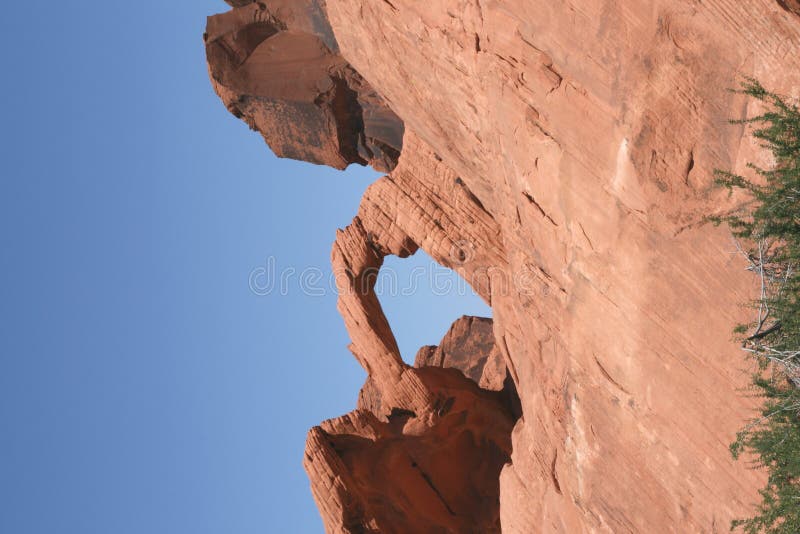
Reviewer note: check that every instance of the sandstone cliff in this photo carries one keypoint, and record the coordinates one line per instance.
(559, 156)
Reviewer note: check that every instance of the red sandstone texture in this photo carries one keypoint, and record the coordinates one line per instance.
(280, 69)
(558, 156)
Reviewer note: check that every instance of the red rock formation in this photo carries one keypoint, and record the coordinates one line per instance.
(559, 156)
(469, 346)
(280, 70)
(432, 470)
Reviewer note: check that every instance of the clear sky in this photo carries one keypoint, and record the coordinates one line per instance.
(144, 387)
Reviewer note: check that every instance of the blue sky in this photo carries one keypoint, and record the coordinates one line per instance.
(143, 386)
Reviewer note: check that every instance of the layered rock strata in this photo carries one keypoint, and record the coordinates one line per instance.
(558, 156)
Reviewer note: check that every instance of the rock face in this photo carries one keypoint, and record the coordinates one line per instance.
(469, 347)
(280, 70)
(431, 462)
(559, 157)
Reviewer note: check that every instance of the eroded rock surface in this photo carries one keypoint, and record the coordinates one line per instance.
(278, 67)
(559, 157)
(469, 346)
(436, 469)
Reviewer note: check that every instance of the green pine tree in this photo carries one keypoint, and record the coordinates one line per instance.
(770, 225)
